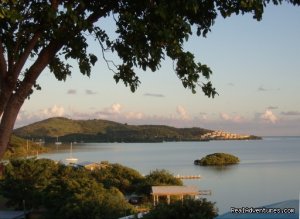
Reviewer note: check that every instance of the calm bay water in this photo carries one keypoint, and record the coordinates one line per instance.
(268, 172)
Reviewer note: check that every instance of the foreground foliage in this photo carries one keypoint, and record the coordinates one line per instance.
(188, 209)
(125, 179)
(75, 192)
(25, 181)
(64, 191)
(217, 159)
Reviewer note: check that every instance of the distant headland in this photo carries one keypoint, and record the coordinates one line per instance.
(60, 129)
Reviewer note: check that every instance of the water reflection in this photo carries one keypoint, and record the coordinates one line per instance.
(220, 169)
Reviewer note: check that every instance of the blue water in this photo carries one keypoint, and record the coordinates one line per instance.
(268, 172)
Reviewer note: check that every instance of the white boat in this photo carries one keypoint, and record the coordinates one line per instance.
(57, 142)
(71, 159)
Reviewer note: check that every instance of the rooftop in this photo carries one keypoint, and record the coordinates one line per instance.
(174, 190)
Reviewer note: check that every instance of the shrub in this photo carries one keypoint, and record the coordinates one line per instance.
(118, 176)
(158, 178)
(188, 209)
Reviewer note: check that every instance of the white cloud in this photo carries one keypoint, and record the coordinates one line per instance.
(116, 108)
(25, 117)
(232, 118)
(117, 113)
(225, 116)
(203, 116)
(53, 111)
(269, 116)
(134, 115)
(182, 112)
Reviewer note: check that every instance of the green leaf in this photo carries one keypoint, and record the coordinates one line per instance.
(93, 59)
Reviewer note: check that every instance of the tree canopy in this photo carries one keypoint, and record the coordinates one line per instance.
(188, 208)
(123, 178)
(25, 181)
(35, 34)
(62, 191)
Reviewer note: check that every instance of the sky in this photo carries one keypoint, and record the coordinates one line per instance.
(255, 71)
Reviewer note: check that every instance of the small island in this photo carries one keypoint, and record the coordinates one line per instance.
(217, 159)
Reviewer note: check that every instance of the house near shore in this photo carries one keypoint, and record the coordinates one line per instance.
(222, 135)
(177, 191)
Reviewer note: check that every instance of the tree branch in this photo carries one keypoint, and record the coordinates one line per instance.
(55, 3)
(44, 58)
(101, 12)
(24, 56)
(10, 55)
(31, 44)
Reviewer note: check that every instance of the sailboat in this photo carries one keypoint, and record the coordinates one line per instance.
(71, 159)
(57, 142)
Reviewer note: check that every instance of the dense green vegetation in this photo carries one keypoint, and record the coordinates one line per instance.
(162, 177)
(188, 209)
(125, 179)
(68, 130)
(19, 147)
(63, 191)
(75, 192)
(217, 159)
(158, 178)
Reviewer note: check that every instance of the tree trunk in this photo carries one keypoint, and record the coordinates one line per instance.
(17, 99)
(4, 97)
(5, 94)
(8, 120)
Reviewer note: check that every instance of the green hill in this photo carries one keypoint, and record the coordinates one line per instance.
(66, 130)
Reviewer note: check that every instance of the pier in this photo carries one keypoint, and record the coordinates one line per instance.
(187, 176)
(205, 192)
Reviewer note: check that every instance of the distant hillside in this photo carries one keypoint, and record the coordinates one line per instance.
(66, 130)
